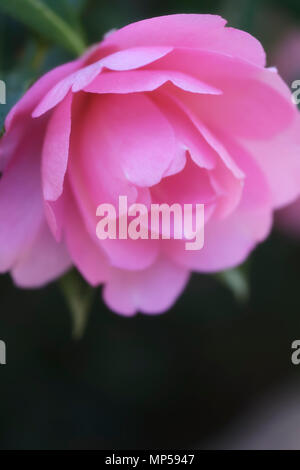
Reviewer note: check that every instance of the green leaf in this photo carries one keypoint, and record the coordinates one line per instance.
(237, 281)
(69, 10)
(79, 297)
(41, 18)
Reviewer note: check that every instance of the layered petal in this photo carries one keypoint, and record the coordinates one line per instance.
(122, 60)
(206, 32)
(191, 186)
(172, 110)
(151, 291)
(186, 132)
(86, 254)
(126, 137)
(42, 262)
(21, 205)
(147, 80)
(228, 241)
(279, 159)
(56, 150)
(112, 146)
(18, 119)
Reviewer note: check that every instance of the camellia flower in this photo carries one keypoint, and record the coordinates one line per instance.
(175, 109)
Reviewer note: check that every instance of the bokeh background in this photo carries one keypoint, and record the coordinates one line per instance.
(214, 372)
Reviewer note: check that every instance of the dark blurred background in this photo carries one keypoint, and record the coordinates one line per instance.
(184, 379)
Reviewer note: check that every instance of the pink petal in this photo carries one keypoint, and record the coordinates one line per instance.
(132, 255)
(256, 191)
(172, 30)
(186, 132)
(211, 67)
(228, 189)
(124, 254)
(190, 186)
(56, 150)
(96, 176)
(189, 30)
(151, 291)
(44, 261)
(279, 160)
(147, 80)
(255, 102)
(21, 206)
(18, 120)
(31, 98)
(251, 109)
(85, 253)
(228, 241)
(216, 146)
(121, 60)
(54, 213)
(128, 136)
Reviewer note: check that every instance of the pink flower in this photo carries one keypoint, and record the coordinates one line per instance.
(171, 109)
